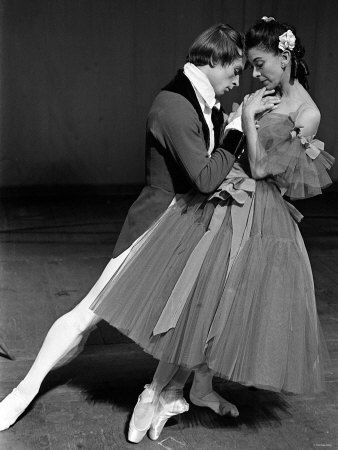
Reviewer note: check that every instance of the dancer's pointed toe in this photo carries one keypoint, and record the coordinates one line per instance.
(167, 407)
(11, 408)
(215, 402)
(142, 416)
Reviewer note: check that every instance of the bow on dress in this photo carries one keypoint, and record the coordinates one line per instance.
(241, 189)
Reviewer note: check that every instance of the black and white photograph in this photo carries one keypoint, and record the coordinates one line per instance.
(168, 224)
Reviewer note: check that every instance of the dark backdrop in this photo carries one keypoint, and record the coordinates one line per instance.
(78, 77)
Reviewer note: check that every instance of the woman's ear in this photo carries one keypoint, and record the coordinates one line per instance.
(285, 58)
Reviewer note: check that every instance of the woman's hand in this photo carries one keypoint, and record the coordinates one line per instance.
(258, 103)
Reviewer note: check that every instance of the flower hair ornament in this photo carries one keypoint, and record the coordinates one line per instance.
(268, 19)
(287, 41)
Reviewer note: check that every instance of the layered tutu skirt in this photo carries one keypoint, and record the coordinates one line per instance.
(225, 280)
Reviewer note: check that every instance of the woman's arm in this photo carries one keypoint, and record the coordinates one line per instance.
(256, 103)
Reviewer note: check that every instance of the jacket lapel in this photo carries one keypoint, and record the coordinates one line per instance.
(181, 85)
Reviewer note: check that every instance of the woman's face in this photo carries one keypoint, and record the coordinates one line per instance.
(266, 67)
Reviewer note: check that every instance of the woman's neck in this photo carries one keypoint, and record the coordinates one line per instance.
(288, 89)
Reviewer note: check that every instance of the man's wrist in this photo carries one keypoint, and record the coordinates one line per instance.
(236, 124)
(233, 142)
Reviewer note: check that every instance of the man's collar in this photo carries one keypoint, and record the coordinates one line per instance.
(201, 84)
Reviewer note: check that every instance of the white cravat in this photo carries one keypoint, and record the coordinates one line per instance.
(205, 95)
(206, 98)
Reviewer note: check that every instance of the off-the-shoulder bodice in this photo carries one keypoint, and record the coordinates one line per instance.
(297, 163)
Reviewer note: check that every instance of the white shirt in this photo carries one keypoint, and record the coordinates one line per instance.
(206, 98)
(205, 95)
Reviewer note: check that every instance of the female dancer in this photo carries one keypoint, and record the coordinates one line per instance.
(223, 282)
(230, 287)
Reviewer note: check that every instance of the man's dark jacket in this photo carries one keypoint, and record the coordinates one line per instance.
(177, 160)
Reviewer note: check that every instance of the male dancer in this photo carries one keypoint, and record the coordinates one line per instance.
(183, 148)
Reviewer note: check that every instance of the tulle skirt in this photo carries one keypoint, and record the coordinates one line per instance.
(224, 283)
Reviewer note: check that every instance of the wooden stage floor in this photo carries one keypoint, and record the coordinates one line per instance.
(52, 251)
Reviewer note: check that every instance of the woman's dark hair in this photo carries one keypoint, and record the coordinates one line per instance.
(265, 34)
(218, 44)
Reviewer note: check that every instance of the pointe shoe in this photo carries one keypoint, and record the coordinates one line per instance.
(165, 409)
(144, 410)
(215, 402)
(11, 408)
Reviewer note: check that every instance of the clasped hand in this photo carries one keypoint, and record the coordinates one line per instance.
(255, 105)
(258, 103)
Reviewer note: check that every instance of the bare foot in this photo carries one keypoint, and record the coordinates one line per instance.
(215, 402)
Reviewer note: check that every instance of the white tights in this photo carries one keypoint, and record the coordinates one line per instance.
(64, 336)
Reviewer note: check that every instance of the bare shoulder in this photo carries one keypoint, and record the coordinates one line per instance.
(308, 118)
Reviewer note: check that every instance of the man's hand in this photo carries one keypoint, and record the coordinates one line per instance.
(236, 112)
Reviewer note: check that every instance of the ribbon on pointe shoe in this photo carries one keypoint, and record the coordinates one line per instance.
(165, 410)
(145, 411)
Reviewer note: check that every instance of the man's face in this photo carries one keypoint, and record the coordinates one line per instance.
(224, 78)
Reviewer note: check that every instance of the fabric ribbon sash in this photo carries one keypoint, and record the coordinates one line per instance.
(242, 191)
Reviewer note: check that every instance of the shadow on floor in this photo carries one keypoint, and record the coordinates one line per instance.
(119, 381)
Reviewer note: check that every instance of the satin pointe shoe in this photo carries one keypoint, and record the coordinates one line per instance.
(11, 408)
(168, 406)
(143, 415)
(215, 402)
